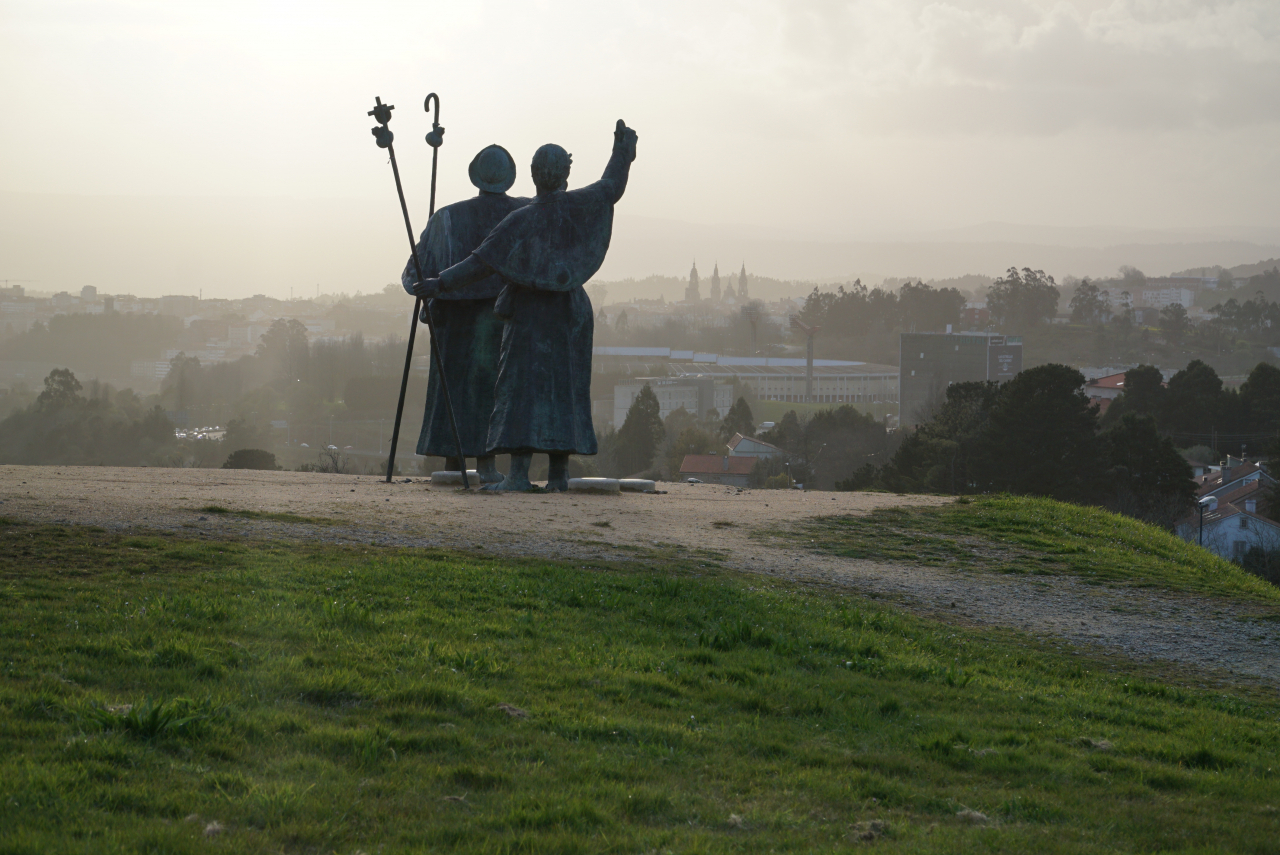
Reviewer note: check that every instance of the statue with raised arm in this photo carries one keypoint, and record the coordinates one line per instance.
(468, 331)
(545, 253)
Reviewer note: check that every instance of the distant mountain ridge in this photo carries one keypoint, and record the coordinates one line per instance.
(236, 247)
(1240, 271)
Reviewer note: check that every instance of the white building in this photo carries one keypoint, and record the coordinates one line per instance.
(1231, 525)
(746, 446)
(1158, 298)
(146, 369)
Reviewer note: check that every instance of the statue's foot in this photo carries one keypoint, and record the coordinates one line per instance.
(510, 485)
(557, 473)
(489, 473)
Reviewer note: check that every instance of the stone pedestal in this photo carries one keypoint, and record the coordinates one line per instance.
(594, 485)
(454, 478)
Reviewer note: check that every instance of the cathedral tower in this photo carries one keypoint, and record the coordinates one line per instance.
(691, 293)
(715, 282)
(742, 282)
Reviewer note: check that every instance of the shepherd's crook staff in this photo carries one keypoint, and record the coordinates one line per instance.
(382, 114)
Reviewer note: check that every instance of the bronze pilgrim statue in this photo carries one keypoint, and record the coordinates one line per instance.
(543, 253)
(467, 330)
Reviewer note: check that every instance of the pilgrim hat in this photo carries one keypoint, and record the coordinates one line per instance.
(493, 169)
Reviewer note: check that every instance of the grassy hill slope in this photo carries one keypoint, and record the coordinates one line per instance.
(162, 694)
(1020, 534)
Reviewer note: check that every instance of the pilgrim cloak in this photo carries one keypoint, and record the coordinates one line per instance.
(468, 332)
(546, 252)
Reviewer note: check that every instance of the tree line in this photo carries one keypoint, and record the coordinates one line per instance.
(1195, 409)
(1039, 435)
(819, 450)
(69, 425)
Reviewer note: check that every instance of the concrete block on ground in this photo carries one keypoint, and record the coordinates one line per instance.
(594, 485)
(637, 485)
(453, 478)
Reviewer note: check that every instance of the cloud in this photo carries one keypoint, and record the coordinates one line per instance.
(1038, 67)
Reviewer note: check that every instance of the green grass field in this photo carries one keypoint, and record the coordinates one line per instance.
(316, 699)
(1017, 534)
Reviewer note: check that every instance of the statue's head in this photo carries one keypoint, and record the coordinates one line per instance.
(550, 169)
(493, 170)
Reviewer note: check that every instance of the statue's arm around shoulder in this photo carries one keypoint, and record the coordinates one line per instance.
(432, 250)
(466, 272)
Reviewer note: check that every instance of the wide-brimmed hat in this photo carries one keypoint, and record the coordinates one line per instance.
(493, 169)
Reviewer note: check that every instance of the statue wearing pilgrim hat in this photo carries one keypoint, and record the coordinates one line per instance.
(467, 330)
(545, 252)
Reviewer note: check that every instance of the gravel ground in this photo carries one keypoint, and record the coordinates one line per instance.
(1220, 640)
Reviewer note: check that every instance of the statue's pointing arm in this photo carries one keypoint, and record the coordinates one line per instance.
(619, 166)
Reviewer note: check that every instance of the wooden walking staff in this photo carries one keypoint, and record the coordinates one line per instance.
(382, 114)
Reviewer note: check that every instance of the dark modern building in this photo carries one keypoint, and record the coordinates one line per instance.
(930, 362)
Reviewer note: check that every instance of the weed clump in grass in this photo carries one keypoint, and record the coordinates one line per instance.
(146, 720)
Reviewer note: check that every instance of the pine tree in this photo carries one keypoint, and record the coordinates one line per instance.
(738, 420)
(641, 433)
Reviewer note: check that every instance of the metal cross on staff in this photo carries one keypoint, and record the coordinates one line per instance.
(382, 114)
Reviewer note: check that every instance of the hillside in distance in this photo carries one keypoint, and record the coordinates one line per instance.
(237, 247)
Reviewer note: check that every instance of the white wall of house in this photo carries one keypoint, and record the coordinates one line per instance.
(748, 447)
(1232, 537)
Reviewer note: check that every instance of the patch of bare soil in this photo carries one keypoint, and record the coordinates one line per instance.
(1220, 639)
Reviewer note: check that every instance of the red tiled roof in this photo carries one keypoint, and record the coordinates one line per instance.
(1239, 494)
(714, 464)
(1230, 504)
(1111, 381)
(1211, 481)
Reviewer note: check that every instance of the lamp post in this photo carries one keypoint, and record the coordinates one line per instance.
(1203, 503)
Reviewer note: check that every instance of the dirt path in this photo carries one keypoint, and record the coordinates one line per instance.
(1220, 639)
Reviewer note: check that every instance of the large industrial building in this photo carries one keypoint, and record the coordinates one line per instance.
(697, 395)
(701, 381)
(930, 362)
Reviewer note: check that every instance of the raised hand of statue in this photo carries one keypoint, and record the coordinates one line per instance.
(427, 288)
(625, 138)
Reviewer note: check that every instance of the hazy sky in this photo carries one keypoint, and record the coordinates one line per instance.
(846, 120)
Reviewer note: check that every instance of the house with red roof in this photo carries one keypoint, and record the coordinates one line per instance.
(748, 446)
(1103, 390)
(718, 469)
(1109, 387)
(1230, 476)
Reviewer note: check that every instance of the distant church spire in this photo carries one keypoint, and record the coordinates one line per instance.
(715, 282)
(691, 293)
(742, 282)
